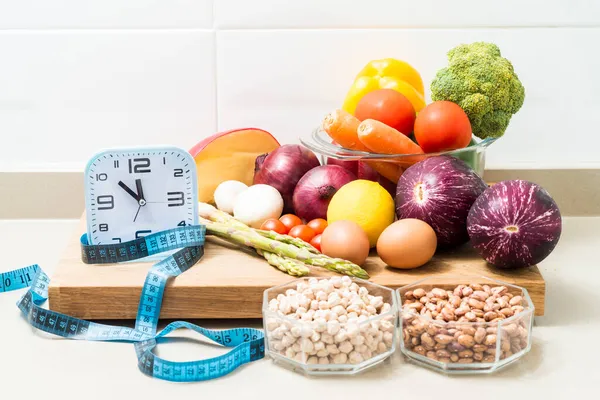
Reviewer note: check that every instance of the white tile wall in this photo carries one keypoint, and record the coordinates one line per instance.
(109, 14)
(404, 13)
(80, 75)
(66, 95)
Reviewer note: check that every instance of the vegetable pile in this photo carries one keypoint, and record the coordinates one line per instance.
(406, 208)
(476, 94)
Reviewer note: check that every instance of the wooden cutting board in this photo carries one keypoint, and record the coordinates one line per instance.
(229, 282)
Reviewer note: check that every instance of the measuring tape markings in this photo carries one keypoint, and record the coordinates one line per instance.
(247, 343)
(18, 279)
(150, 245)
(248, 346)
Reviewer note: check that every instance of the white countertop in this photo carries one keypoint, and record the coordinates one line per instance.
(561, 364)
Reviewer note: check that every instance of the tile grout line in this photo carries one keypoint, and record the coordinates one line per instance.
(292, 27)
(215, 65)
(25, 31)
(235, 28)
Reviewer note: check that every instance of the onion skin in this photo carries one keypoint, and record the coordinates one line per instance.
(259, 162)
(363, 171)
(350, 165)
(316, 188)
(440, 191)
(283, 168)
(514, 224)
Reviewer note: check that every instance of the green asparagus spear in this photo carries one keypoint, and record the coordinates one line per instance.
(287, 265)
(288, 239)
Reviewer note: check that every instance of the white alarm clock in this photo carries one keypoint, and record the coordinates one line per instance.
(130, 193)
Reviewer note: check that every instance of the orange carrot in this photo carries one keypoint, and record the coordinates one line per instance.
(383, 139)
(342, 127)
(388, 170)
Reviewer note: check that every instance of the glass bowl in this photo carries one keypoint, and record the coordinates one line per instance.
(458, 347)
(320, 143)
(324, 347)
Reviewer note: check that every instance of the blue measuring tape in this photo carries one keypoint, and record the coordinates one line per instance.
(247, 343)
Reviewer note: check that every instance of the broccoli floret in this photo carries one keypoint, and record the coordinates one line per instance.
(484, 84)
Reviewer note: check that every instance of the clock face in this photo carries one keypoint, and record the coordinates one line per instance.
(132, 193)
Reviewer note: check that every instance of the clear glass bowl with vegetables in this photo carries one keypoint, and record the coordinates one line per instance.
(336, 326)
(320, 143)
(479, 326)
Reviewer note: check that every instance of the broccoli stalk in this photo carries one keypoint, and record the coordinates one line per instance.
(484, 84)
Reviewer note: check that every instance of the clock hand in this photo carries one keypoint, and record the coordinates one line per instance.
(140, 196)
(129, 191)
(140, 192)
(138, 211)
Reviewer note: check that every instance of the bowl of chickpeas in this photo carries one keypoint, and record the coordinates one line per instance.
(337, 325)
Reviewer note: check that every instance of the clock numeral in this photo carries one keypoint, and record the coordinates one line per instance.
(108, 201)
(177, 199)
(142, 233)
(182, 223)
(139, 165)
(116, 163)
(118, 240)
(103, 227)
(101, 177)
(178, 173)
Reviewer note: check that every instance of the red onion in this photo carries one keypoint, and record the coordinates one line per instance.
(440, 191)
(259, 162)
(350, 165)
(316, 188)
(514, 224)
(363, 171)
(283, 168)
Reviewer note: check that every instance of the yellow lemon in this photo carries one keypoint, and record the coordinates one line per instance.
(366, 203)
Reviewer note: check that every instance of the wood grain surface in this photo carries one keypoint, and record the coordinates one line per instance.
(229, 282)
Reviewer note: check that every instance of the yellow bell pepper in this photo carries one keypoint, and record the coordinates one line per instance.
(387, 73)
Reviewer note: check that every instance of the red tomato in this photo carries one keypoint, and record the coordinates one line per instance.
(318, 225)
(302, 232)
(387, 106)
(290, 221)
(316, 242)
(274, 225)
(442, 126)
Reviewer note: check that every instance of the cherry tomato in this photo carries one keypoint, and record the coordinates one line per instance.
(302, 232)
(318, 225)
(316, 242)
(290, 221)
(441, 126)
(274, 225)
(387, 106)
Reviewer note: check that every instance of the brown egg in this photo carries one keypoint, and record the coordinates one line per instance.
(407, 243)
(347, 240)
